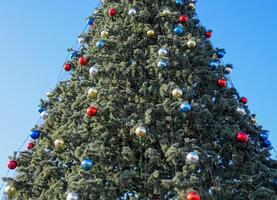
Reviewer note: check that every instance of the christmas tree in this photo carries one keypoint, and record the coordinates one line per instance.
(149, 112)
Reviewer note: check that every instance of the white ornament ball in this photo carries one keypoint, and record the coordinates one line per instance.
(132, 11)
(44, 115)
(81, 40)
(192, 158)
(241, 111)
(140, 131)
(191, 44)
(228, 70)
(163, 52)
(93, 70)
(72, 196)
(177, 93)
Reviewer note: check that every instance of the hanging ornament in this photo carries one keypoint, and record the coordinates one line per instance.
(208, 34)
(105, 34)
(263, 136)
(241, 137)
(241, 111)
(151, 33)
(193, 196)
(192, 6)
(183, 19)
(179, 31)
(10, 191)
(40, 110)
(35, 134)
(275, 182)
(59, 144)
(191, 44)
(91, 111)
(140, 131)
(72, 196)
(220, 54)
(192, 158)
(222, 83)
(166, 12)
(82, 61)
(12, 164)
(100, 44)
(67, 67)
(74, 54)
(87, 164)
(163, 52)
(112, 12)
(177, 93)
(228, 70)
(214, 65)
(93, 70)
(30, 146)
(163, 64)
(266, 144)
(243, 100)
(81, 40)
(185, 107)
(92, 93)
(44, 115)
(132, 11)
(90, 21)
(180, 2)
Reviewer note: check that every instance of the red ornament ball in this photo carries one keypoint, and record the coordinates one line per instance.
(91, 111)
(241, 137)
(193, 196)
(30, 146)
(67, 67)
(183, 19)
(243, 100)
(12, 164)
(222, 83)
(82, 60)
(208, 34)
(112, 12)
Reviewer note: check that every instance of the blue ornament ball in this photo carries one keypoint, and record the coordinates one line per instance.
(163, 64)
(35, 134)
(220, 54)
(185, 107)
(40, 110)
(87, 164)
(179, 30)
(100, 44)
(263, 136)
(74, 54)
(90, 21)
(266, 144)
(275, 182)
(214, 65)
(180, 2)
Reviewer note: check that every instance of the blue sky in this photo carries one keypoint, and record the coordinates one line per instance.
(34, 36)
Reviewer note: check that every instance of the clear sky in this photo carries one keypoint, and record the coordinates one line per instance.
(34, 36)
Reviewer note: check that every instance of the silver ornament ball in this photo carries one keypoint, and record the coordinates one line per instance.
(163, 52)
(44, 115)
(132, 11)
(192, 158)
(93, 70)
(72, 196)
(241, 111)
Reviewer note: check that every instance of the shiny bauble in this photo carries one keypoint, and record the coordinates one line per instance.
(180, 2)
(67, 67)
(90, 21)
(91, 111)
(132, 11)
(10, 191)
(214, 65)
(92, 93)
(150, 33)
(241, 137)
(93, 70)
(12, 164)
(222, 83)
(87, 164)
(112, 12)
(82, 61)
(59, 144)
(72, 196)
(35, 134)
(81, 40)
(208, 34)
(192, 6)
(44, 115)
(191, 44)
(104, 34)
(40, 110)
(163, 64)
(183, 19)
(228, 70)
(177, 93)
(166, 12)
(140, 131)
(263, 136)
(185, 107)
(100, 44)
(178, 30)
(192, 158)
(30, 146)
(193, 196)
(163, 52)
(241, 111)
(266, 144)
(220, 54)
(275, 182)
(243, 100)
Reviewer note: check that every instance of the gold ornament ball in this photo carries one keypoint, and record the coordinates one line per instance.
(166, 12)
(10, 191)
(151, 33)
(92, 93)
(177, 93)
(59, 144)
(140, 131)
(191, 44)
(105, 34)
(192, 6)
